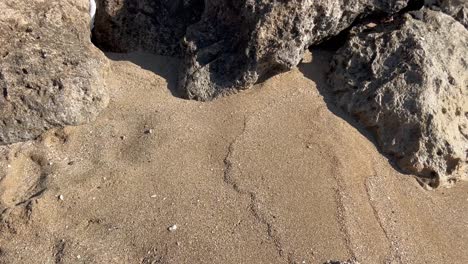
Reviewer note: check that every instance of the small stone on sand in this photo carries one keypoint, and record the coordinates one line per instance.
(172, 228)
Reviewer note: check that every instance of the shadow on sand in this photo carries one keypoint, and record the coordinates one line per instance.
(166, 67)
(316, 72)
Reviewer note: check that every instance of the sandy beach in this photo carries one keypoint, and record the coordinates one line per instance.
(275, 174)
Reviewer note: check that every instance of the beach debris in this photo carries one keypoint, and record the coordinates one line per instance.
(172, 228)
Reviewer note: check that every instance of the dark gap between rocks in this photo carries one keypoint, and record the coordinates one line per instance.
(413, 5)
(156, 28)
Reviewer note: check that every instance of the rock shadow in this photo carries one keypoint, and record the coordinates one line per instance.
(317, 71)
(142, 32)
(164, 66)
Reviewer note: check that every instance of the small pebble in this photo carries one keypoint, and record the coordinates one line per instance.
(60, 197)
(371, 25)
(149, 131)
(172, 228)
(153, 196)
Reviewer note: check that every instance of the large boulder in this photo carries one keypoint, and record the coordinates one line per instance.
(236, 43)
(407, 81)
(155, 26)
(50, 73)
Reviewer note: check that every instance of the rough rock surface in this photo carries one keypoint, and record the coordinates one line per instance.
(407, 81)
(457, 9)
(50, 74)
(153, 26)
(236, 43)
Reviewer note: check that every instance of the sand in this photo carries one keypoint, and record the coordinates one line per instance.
(274, 174)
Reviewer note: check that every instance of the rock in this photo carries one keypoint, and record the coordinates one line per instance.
(50, 74)
(236, 43)
(406, 81)
(457, 9)
(351, 261)
(172, 228)
(153, 26)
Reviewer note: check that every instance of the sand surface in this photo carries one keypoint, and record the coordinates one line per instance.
(270, 175)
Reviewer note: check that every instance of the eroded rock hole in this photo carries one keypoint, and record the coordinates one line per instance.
(146, 25)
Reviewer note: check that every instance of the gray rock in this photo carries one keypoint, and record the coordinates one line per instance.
(50, 74)
(407, 81)
(236, 43)
(155, 26)
(456, 8)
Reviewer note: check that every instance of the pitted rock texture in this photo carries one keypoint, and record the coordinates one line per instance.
(457, 9)
(155, 26)
(50, 73)
(236, 43)
(407, 81)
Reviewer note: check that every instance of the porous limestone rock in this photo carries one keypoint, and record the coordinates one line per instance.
(155, 26)
(407, 81)
(236, 43)
(50, 73)
(456, 8)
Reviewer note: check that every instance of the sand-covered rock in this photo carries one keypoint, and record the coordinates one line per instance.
(236, 43)
(153, 26)
(50, 74)
(407, 82)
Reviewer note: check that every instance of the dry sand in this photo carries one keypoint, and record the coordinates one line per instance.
(270, 175)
